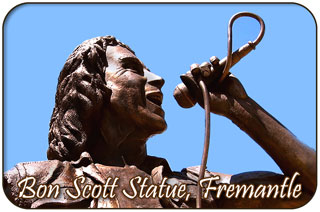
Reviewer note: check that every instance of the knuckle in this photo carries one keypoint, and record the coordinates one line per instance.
(205, 69)
(194, 68)
(214, 60)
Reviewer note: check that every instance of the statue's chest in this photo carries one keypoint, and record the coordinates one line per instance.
(126, 187)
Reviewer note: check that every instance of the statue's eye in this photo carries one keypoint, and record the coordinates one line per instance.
(133, 65)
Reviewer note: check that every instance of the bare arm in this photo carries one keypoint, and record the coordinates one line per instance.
(285, 149)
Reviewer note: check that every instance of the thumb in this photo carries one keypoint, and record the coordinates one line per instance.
(192, 86)
(234, 88)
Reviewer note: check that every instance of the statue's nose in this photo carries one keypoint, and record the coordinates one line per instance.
(153, 79)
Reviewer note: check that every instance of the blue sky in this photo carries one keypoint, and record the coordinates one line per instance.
(280, 74)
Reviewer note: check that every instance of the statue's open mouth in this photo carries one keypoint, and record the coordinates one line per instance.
(155, 97)
(154, 102)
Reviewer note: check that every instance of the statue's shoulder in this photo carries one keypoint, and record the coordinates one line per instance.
(41, 170)
(64, 175)
(41, 173)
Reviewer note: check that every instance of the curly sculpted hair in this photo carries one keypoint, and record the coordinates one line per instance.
(81, 95)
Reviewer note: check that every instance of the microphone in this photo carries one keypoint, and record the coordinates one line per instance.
(212, 76)
(181, 92)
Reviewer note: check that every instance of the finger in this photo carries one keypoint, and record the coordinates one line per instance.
(214, 61)
(190, 82)
(205, 68)
(195, 70)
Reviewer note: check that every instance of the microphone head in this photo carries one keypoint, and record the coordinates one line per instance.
(183, 97)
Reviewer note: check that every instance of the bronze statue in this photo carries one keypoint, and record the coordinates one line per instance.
(108, 104)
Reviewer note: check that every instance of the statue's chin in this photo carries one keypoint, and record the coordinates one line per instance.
(149, 123)
(160, 127)
(156, 114)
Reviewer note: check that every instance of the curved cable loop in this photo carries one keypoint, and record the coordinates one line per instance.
(205, 92)
(251, 44)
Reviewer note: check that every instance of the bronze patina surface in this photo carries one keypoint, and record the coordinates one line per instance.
(108, 104)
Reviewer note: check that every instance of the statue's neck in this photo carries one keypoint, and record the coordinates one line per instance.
(115, 143)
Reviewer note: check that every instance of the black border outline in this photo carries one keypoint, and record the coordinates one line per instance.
(169, 3)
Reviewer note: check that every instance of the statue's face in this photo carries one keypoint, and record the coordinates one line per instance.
(136, 92)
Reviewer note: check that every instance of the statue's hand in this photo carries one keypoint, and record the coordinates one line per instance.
(222, 95)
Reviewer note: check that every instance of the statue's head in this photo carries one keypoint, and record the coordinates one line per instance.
(106, 98)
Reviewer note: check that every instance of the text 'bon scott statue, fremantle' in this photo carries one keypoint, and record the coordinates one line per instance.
(107, 105)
